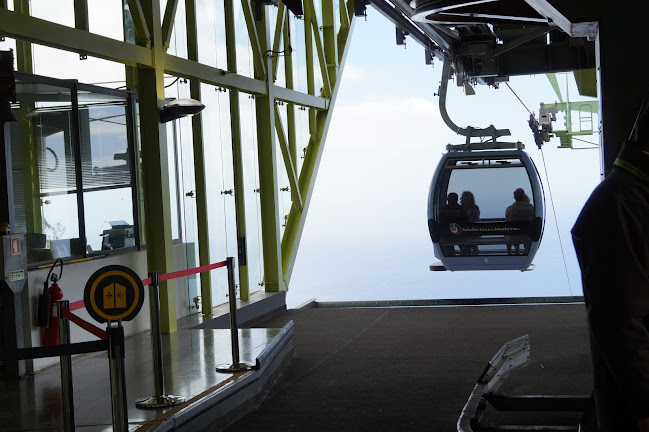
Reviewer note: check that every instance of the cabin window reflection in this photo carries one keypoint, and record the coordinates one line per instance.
(487, 186)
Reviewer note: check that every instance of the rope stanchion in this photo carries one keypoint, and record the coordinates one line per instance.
(160, 399)
(101, 334)
(236, 365)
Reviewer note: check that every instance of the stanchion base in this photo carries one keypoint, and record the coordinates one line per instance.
(159, 402)
(234, 367)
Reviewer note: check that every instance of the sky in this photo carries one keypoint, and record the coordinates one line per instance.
(366, 234)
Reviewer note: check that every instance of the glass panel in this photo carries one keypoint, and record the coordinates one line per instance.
(106, 171)
(486, 200)
(44, 172)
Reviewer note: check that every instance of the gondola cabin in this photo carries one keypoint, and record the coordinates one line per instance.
(486, 210)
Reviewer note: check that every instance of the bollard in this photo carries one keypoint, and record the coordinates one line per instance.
(236, 365)
(160, 399)
(117, 377)
(66, 369)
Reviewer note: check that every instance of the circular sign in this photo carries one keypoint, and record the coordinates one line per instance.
(113, 293)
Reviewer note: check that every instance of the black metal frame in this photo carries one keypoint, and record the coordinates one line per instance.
(130, 99)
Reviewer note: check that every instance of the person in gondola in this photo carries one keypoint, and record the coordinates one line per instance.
(451, 213)
(467, 200)
(520, 210)
(611, 239)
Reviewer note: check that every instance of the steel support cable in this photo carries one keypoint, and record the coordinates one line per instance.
(556, 222)
(554, 210)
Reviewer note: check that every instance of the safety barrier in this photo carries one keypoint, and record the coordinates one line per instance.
(112, 340)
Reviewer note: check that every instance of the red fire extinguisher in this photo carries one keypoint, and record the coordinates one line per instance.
(54, 293)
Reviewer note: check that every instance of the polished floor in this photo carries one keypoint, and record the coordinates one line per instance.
(190, 358)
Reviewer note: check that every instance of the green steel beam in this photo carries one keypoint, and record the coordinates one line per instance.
(270, 221)
(298, 98)
(329, 39)
(81, 15)
(310, 75)
(344, 15)
(258, 56)
(237, 158)
(297, 219)
(142, 33)
(168, 24)
(33, 203)
(202, 219)
(42, 32)
(282, 15)
(155, 171)
(324, 71)
(552, 77)
(290, 107)
(184, 68)
(288, 161)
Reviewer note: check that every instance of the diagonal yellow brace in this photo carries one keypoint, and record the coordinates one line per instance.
(288, 161)
(257, 55)
(142, 32)
(279, 27)
(326, 83)
(344, 15)
(168, 22)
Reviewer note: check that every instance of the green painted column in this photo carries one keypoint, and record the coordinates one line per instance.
(329, 39)
(270, 220)
(155, 170)
(237, 158)
(308, 49)
(290, 108)
(33, 204)
(207, 302)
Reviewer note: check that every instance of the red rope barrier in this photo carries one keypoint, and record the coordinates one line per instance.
(181, 273)
(101, 334)
(77, 305)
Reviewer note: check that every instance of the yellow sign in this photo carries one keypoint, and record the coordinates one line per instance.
(114, 293)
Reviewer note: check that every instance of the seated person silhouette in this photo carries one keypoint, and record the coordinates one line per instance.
(467, 200)
(520, 210)
(450, 213)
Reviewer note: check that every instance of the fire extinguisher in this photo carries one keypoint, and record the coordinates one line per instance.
(47, 313)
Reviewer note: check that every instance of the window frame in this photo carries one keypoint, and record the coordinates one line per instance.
(130, 99)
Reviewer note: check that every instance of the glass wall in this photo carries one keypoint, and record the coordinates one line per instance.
(72, 158)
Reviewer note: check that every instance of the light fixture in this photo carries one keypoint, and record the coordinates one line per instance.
(180, 108)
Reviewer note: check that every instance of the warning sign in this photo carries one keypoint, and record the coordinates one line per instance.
(113, 293)
(15, 246)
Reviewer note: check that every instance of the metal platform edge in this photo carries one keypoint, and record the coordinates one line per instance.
(230, 402)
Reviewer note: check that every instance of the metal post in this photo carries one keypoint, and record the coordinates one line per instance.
(236, 366)
(66, 369)
(117, 377)
(160, 399)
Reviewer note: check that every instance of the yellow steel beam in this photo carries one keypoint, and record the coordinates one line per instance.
(326, 83)
(42, 32)
(142, 33)
(257, 54)
(288, 161)
(279, 29)
(168, 22)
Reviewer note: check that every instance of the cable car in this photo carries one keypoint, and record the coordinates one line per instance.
(486, 208)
